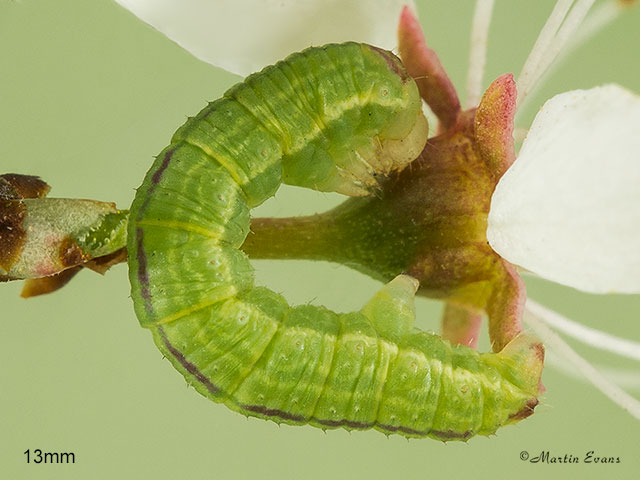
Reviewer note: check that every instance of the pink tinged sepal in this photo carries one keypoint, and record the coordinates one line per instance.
(423, 64)
(493, 132)
(494, 125)
(568, 209)
(505, 305)
(450, 187)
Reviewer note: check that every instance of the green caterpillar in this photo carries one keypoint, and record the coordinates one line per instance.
(334, 118)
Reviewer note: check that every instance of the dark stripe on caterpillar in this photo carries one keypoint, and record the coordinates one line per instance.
(155, 180)
(188, 366)
(143, 276)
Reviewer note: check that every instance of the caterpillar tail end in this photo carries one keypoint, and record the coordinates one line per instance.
(521, 362)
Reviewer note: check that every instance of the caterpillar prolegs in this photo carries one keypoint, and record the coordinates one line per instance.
(333, 118)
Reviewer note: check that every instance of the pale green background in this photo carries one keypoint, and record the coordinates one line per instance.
(88, 94)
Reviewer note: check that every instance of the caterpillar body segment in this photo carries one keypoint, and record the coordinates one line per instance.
(308, 365)
(324, 128)
(227, 134)
(334, 118)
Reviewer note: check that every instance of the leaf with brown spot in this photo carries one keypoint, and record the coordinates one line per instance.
(70, 253)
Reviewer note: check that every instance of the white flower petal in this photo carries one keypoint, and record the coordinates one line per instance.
(569, 207)
(242, 36)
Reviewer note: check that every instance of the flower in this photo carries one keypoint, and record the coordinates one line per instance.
(555, 206)
(516, 221)
(566, 209)
(573, 190)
